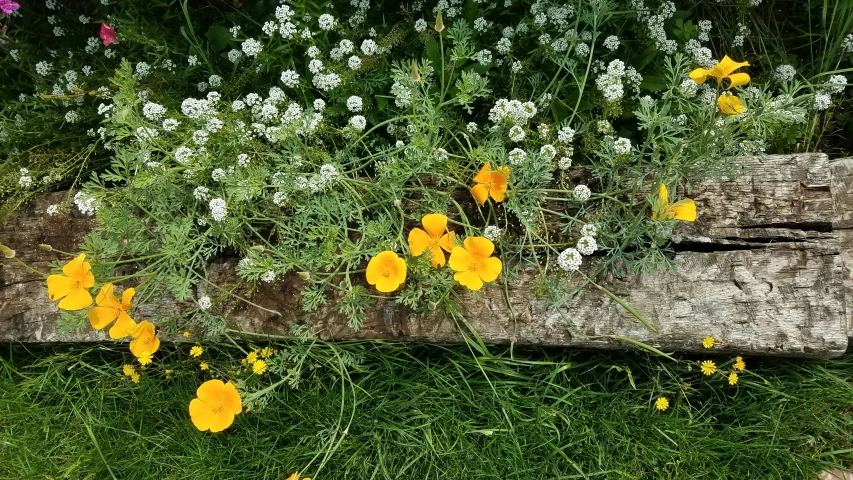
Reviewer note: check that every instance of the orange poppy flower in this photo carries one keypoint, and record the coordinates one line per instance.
(387, 271)
(145, 342)
(435, 239)
(110, 308)
(73, 286)
(474, 263)
(681, 210)
(722, 70)
(216, 406)
(490, 183)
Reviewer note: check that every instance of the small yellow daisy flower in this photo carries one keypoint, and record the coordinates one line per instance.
(708, 342)
(252, 357)
(739, 365)
(186, 334)
(733, 378)
(709, 367)
(267, 352)
(134, 377)
(196, 351)
(204, 366)
(145, 359)
(259, 367)
(128, 370)
(662, 403)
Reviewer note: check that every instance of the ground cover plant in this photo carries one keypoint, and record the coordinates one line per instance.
(420, 155)
(372, 410)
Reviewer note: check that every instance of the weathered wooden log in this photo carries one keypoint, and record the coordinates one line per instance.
(766, 268)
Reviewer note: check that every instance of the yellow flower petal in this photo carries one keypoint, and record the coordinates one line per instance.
(488, 269)
(386, 270)
(730, 104)
(123, 327)
(435, 225)
(100, 317)
(106, 297)
(59, 286)
(663, 193)
(77, 267)
(480, 192)
(469, 279)
(684, 210)
(738, 79)
(76, 300)
(127, 299)
(446, 241)
(699, 75)
(419, 241)
(479, 247)
(484, 175)
(437, 256)
(725, 67)
(460, 259)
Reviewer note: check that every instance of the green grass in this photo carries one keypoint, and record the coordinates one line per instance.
(419, 412)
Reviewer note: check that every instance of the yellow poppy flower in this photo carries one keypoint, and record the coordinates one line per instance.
(110, 308)
(216, 406)
(474, 263)
(387, 271)
(435, 239)
(72, 287)
(730, 104)
(145, 342)
(295, 476)
(722, 70)
(490, 183)
(681, 210)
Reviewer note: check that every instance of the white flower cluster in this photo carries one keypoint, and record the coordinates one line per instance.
(512, 112)
(702, 56)
(326, 81)
(326, 21)
(785, 73)
(142, 70)
(705, 27)
(610, 82)
(218, 209)
(153, 111)
(197, 108)
(587, 245)
(251, 47)
(566, 134)
(25, 180)
(358, 122)
(655, 23)
(516, 133)
(570, 260)
(589, 230)
(420, 25)
(742, 33)
(516, 157)
(611, 43)
(402, 94)
(582, 193)
(86, 203)
(548, 152)
(183, 154)
(204, 303)
(43, 68)
(823, 97)
(200, 193)
(354, 104)
(622, 146)
(847, 43)
(492, 232)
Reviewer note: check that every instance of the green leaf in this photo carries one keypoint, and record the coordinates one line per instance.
(219, 37)
(433, 52)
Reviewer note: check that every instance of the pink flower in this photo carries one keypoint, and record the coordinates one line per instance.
(8, 6)
(108, 34)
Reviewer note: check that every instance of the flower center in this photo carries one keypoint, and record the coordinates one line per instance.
(472, 267)
(386, 273)
(217, 409)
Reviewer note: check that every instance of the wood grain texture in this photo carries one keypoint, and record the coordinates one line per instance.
(766, 268)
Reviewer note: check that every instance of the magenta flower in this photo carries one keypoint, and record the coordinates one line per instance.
(8, 6)
(108, 34)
